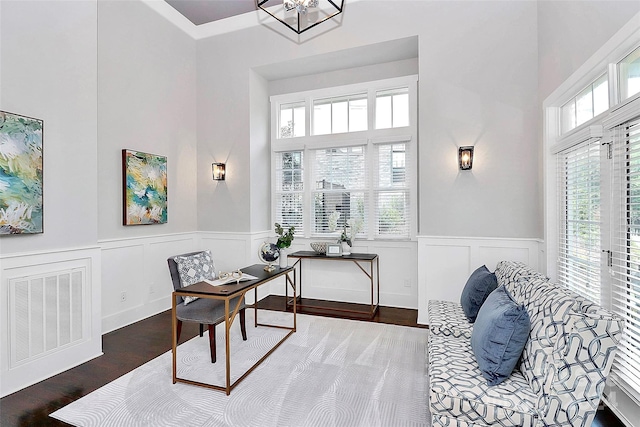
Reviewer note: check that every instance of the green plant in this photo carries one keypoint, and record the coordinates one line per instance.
(285, 238)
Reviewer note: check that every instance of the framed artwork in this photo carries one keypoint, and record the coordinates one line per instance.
(21, 178)
(334, 249)
(144, 178)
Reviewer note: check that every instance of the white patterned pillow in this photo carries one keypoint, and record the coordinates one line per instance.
(193, 269)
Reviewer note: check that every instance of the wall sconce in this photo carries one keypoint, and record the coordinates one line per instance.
(218, 170)
(465, 158)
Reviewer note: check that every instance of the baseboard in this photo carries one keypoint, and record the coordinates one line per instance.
(135, 314)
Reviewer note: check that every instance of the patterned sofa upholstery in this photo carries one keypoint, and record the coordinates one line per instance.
(562, 371)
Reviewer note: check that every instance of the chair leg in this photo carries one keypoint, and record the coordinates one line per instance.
(243, 326)
(201, 330)
(212, 342)
(178, 330)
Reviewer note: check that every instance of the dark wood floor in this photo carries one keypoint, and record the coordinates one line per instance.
(134, 345)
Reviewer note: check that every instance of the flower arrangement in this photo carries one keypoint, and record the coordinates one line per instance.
(285, 238)
(350, 228)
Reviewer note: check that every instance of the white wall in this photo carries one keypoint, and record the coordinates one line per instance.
(469, 94)
(49, 71)
(146, 102)
(569, 32)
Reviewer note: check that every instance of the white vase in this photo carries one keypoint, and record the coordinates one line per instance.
(284, 262)
(346, 249)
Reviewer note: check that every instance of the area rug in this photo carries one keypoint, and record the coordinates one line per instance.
(331, 372)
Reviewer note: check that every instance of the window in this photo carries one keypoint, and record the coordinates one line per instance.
(292, 120)
(338, 115)
(596, 249)
(340, 179)
(629, 71)
(392, 108)
(289, 191)
(392, 193)
(626, 250)
(579, 207)
(368, 177)
(586, 105)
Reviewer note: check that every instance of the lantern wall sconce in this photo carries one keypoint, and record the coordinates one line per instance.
(301, 15)
(465, 158)
(219, 171)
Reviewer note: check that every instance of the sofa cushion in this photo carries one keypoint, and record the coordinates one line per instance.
(447, 318)
(499, 335)
(480, 284)
(193, 269)
(457, 390)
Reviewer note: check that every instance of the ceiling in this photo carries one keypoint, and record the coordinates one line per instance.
(204, 11)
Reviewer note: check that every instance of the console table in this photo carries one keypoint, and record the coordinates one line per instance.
(358, 259)
(227, 293)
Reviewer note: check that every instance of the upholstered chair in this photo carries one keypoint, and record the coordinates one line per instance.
(190, 268)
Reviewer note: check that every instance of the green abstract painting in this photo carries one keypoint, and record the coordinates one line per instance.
(20, 174)
(145, 188)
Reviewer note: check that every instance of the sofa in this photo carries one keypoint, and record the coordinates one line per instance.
(559, 377)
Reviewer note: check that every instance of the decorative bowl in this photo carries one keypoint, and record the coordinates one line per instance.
(319, 247)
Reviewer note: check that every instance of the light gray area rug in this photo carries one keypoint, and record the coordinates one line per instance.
(331, 372)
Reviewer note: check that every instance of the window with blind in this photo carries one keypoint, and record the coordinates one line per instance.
(289, 189)
(339, 175)
(392, 194)
(345, 161)
(625, 247)
(579, 225)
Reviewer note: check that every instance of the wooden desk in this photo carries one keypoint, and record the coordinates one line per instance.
(357, 259)
(227, 293)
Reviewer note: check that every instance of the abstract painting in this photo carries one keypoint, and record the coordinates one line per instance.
(20, 174)
(145, 188)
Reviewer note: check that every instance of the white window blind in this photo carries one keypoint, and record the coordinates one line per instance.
(340, 179)
(579, 252)
(392, 195)
(289, 194)
(625, 243)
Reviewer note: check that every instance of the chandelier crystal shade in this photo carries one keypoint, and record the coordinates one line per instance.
(301, 15)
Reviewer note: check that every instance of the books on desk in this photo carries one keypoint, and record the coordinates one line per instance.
(219, 282)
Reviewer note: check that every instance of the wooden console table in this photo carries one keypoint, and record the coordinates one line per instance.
(357, 259)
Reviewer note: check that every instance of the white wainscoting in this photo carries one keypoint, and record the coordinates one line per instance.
(49, 357)
(138, 268)
(135, 277)
(445, 263)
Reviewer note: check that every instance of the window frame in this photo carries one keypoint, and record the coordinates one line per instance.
(367, 138)
(619, 112)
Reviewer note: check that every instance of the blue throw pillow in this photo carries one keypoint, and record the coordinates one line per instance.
(499, 335)
(480, 284)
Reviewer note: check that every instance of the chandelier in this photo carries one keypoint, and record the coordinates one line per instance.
(301, 15)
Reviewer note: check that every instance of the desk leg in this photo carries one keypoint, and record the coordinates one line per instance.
(227, 326)
(174, 336)
(372, 310)
(378, 279)
(255, 307)
(295, 299)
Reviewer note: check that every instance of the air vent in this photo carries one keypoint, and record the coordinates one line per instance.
(46, 313)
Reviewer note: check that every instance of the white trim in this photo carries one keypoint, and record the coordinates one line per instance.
(592, 132)
(628, 110)
(342, 90)
(391, 139)
(165, 10)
